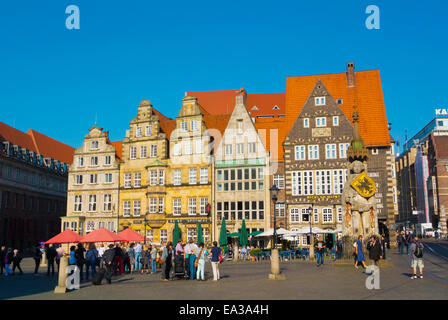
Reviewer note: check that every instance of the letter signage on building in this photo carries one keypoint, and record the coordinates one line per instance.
(441, 112)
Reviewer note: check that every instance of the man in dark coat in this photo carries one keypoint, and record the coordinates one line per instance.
(51, 256)
(108, 260)
(118, 263)
(375, 250)
(80, 259)
(16, 259)
(37, 256)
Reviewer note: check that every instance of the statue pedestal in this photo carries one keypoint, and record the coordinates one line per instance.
(275, 266)
(61, 287)
(235, 253)
(347, 247)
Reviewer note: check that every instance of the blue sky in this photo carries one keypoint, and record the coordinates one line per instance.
(58, 81)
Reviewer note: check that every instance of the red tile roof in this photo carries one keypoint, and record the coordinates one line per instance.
(265, 103)
(118, 148)
(367, 95)
(167, 125)
(272, 132)
(37, 142)
(216, 102)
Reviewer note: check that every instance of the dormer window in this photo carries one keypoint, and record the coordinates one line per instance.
(319, 101)
(276, 107)
(340, 101)
(94, 145)
(254, 108)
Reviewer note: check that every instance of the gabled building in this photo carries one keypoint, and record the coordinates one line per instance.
(33, 186)
(316, 163)
(241, 171)
(143, 172)
(93, 184)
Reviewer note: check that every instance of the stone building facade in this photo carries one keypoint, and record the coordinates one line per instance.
(93, 185)
(33, 186)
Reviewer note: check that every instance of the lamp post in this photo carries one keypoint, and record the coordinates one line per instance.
(310, 216)
(275, 262)
(145, 221)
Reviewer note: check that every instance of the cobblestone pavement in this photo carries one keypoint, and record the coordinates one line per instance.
(249, 280)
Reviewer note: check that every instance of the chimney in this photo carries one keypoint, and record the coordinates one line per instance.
(351, 81)
(241, 97)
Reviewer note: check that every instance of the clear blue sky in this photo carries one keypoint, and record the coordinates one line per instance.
(57, 80)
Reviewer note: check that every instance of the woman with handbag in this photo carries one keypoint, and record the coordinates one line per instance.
(200, 263)
(216, 258)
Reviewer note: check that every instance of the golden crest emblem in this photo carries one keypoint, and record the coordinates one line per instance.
(364, 185)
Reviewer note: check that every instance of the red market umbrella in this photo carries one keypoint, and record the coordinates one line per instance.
(101, 235)
(130, 235)
(68, 236)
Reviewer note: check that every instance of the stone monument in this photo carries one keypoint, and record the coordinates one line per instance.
(358, 196)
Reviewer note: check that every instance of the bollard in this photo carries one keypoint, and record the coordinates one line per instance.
(275, 266)
(43, 262)
(61, 287)
(235, 253)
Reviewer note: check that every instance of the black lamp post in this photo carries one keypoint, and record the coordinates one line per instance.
(310, 216)
(145, 221)
(274, 193)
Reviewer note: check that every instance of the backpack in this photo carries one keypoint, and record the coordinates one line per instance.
(418, 250)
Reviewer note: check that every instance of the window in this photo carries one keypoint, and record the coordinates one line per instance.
(374, 150)
(153, 178)
(336, 121)
(107, 160)
(177, 208)
(319, 101)
(93, 178)
(78, 179)
(252, 147)
(143, 153)
(148, 130)
(279, 210)
(137, 180)
(294, 215)
(81, 162)
(203, 205)
(161, 205)
(279, 181)
(108, 178)
(308, 183)
(327, 215)
(161, 177)
(93, 161)
(323, 182)
(228, 149)
(153, 153)
(339, 214)
(133, 153)
(306, 123)
(204, 175)
(339, 178)
(340, 101)
(321, 122)
(94, 145)
(177, 149)
(136, 208)
(126, 208)
(107, 203)
(305, 214)
(163, 236)
(127, 180)
(316, 216)
(313, 152)
(78, 203)
(152, 205)
(138, 132)
(240, 126)
(300, 152)
(191, 206)
(90, 226)
(240, 148)
(199, 147)
(191, 234)
(150, 235)
(343, 150)
(206, 234)
(193, 125)
(188, 147)
(330, 151)
(92, 202)
(193, 176)
(177, 177)
(184, 126)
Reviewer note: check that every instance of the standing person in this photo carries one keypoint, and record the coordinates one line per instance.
(375, 251)
(127, 262)
(131, 259)
(320, 249)
(138, 256)
(339, 248)
(72, 259)
(2, 259)
(16, 259)
(51, 257)
(60, 253)
(215, 253)
(109, 258)
(37, 256)
(91, 257)
(146, 256)
(80, 255)
(200, 262)
(359, 253)
(118, 260)
(101, 251)
(187, 251)
(179, 247)
(408, 241)
(417, 257)
(400, 243)
(153, 259)
(167, 255)
(194, 253)
(8, 260)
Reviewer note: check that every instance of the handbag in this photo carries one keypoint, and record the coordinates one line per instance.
(196, 262)
(220, 258)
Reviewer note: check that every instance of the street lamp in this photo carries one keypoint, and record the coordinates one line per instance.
(274, 193)
(310, 213)
(145, 221)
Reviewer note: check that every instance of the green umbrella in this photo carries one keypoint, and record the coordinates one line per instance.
(243, 234)
(176, 233)
(255, 233)
(200, 237)
(233, 234)
(223, 235)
